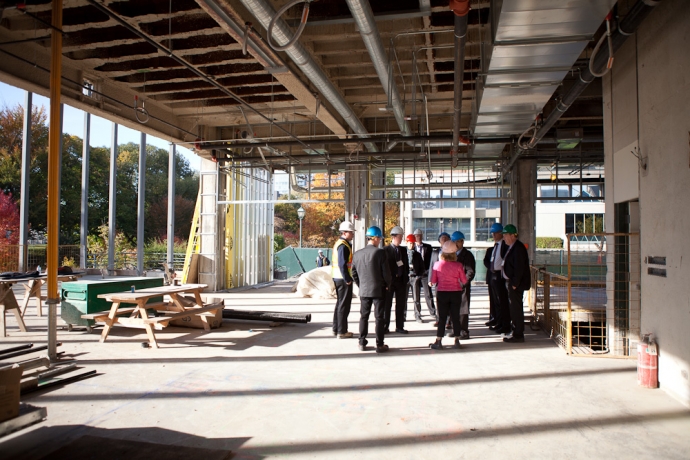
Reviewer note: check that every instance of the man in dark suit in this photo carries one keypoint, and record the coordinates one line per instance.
(417, 272)
(465, 257)
(518, 279)
(372, 275)
(425, 250)
(499, 309)
(400, 270)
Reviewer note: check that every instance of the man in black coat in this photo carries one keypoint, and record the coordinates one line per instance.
(518, 278)
(417, 273)
(400, 272)
(425, 250)
(372, 275)
(465, 257)
(499, 307)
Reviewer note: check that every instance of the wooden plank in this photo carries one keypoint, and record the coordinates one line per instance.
(190, 312)
(133, 297)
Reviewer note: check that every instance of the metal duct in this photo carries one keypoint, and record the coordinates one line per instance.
(626, 27)
(364, 18)
(460, 8)
(264, 13)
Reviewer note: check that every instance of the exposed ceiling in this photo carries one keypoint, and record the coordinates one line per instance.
(185, 60)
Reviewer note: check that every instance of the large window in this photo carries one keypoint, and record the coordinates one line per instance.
(432, 227)
(486, 204)
(584, 223)
(483, 225)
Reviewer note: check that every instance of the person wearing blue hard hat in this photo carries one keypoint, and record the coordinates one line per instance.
(372, 275)
(499, 310)
(465, 257)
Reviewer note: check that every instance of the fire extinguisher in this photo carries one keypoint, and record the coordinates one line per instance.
(647, 362)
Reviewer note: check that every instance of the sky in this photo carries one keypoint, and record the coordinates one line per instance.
(73, 123)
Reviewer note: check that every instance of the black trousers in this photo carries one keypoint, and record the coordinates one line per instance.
(365, 311)
(517, 313)
(420, 284)
(448, 303)
(498, 287)
(398, 290)
(342, 305)
(493, 300)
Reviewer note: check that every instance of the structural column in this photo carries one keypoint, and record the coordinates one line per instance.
(355, 205)
(141, 204)
(84, 230)
(525, 194)
(171, 205)
(112, 199)
(24, 193)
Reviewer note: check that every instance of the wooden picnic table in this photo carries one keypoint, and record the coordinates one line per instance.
(179, 307)
(32, 287)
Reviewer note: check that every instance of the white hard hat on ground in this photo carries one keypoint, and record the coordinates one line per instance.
(347, 227)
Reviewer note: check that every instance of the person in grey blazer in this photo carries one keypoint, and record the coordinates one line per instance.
(373, 277)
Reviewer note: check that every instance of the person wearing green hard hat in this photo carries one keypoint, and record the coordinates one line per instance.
(518, 279)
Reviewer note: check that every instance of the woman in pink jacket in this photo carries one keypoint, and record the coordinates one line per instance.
(449, 276)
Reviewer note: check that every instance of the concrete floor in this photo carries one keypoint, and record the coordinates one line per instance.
(296, 392)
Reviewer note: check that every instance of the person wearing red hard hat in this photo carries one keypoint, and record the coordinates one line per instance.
(417, 272)
(449, 277)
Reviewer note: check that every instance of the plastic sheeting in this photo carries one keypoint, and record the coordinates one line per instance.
(316, 283)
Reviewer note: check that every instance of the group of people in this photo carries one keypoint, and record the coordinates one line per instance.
(387, 274)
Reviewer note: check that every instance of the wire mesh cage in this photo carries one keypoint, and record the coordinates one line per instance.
(590, 305)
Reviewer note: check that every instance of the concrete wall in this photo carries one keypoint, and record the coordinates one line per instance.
(647, 104)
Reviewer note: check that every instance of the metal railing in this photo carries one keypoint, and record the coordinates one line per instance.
(70, 255)
(591, 305)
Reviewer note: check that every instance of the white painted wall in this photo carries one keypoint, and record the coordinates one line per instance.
(647, 100)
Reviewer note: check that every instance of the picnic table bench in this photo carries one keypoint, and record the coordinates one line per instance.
(179, 307)
(32, 287)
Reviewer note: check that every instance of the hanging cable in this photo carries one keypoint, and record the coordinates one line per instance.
(140, 113)
(606, 36)
(302, 24)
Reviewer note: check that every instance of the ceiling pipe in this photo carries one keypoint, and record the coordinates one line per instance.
(264, 13)
(625, 28)
(461, 8)
(364, 18)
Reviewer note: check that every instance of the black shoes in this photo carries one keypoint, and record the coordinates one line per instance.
(363, 345)
(436, 346)
(401, 331)
(490, 323)
(514, 339)
(464, 335)
(382, 349)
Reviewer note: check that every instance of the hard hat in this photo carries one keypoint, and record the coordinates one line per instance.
(397, 230)
(374, 232)
(443, 234)
(456, 236)
(320, 251)
(418, 232)
(410, 239)
(496, 228)
(510, 229)
(448, 248)
(347, 226)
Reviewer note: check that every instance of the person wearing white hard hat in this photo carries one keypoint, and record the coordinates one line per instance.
(341, 272)
(449, 277)
(322, 260)
(400, 271)
(422, 282)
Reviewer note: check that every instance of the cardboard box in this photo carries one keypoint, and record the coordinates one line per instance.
(195, 321)
(9, 392)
